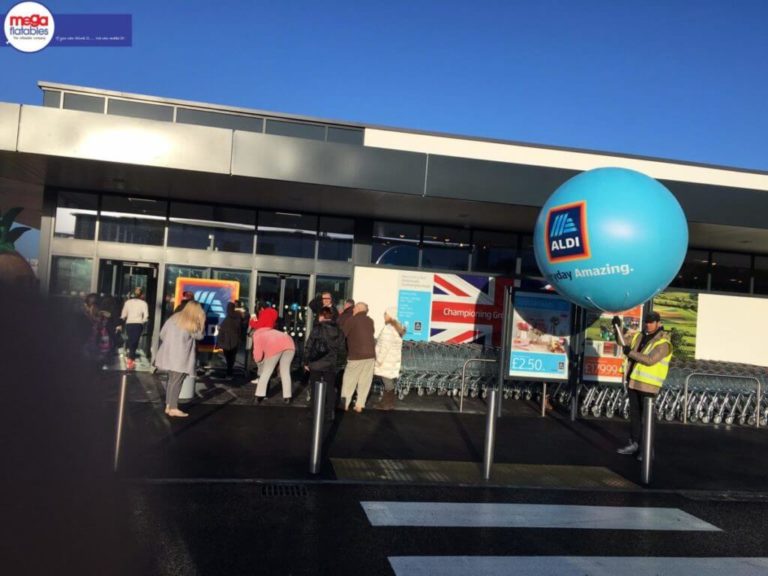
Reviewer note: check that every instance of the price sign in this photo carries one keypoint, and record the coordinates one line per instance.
(541, 328)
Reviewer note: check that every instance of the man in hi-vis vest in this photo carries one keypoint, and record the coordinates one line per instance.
(646, 367)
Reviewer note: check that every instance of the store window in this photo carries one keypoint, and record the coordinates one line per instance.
(445, 247)
(345, 135)
(295, 129)
(730, 272)
(132, 220)
(219, 120)
(338, 286)
(494, 251)
(286, 234)
(694, 271)
(70, 276)
(396, 244)
(52, 98)
(84, 103)
(335, 238)
(214, 228)
(528, 265)
(76, 214)
(140, 110)
(760, 275)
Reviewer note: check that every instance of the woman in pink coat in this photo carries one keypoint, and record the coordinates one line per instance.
(270, 348)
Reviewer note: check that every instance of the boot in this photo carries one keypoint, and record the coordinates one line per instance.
(387, 400)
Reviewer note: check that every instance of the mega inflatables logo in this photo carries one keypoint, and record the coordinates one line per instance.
(29, 27)
(566, 234)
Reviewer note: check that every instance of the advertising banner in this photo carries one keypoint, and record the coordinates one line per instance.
(435, 307)
(603, 358)
(213, 296)
(541, 328)
(679, 311)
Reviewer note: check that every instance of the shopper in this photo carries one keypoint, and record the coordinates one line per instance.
(135, 314)
(389, 351)
(361, 355)
(178, 350)
(230, 335)
(270, 348)
(321, 357)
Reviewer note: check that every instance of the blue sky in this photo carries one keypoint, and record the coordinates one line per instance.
(677, 79)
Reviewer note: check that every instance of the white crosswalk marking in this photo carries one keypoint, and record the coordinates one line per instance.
(499, 515)
(574, 566)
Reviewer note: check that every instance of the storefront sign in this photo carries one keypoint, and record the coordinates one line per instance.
(213, 296)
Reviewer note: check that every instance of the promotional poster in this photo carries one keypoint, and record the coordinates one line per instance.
(541, 328)
(603, 358)
(213, 296)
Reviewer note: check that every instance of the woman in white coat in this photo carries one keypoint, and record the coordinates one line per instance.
(389, 352)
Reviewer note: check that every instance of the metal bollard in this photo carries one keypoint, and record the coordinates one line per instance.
(120, 415)
(490, 432)
(647, 439)
(317, 426)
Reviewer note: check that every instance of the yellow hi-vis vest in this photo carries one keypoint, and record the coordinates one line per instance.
(651, 375)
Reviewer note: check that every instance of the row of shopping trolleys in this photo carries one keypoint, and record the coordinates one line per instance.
(700, 398)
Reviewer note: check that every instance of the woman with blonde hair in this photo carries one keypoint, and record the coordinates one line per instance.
(177, 352)
(389, 351)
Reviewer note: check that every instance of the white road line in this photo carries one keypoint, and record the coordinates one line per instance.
(574, 566)
(492, 515)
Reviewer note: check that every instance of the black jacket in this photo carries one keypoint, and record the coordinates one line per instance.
(334, 338)
(230, 332)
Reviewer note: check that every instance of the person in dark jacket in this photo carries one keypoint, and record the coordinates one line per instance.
(361, 356)
(346, 313)
(323, 300)
(322, 353)
(230, 334)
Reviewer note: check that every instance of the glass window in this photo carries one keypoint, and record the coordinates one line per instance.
(494, 251)
(335, 239)
(76, 215)
(219, 120)
(52, 98)
(84, 103)
(345, 135)
(70, 276)
(216, 228)
(132, 220)
(693, 272)
(445, 247)
(338, 286)
(242, 276)
(140, 110)
(760, 275)
(286, 234)
(172, 273)
(528, 265)
(295, 129)
(730, 272)
(396, 244)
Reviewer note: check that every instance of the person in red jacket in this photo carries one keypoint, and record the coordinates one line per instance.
(272, 347)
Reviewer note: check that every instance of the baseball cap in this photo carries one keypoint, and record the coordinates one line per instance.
(652, 317)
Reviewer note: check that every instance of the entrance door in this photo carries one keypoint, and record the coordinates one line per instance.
(289, 294)
(119, 278)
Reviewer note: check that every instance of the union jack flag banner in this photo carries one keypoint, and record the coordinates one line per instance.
(467, 308)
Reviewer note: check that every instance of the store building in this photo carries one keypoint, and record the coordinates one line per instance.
(137, 190)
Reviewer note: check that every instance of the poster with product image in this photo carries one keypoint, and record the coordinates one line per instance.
(603, 357)
(541, 334)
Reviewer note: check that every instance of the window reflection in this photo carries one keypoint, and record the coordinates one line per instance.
(70, 276)
(132, 220)
(694, 271)
(335, 239)
(214, 228)
(494, 251)
(286, 234)
(76, 215)
(396, 244)
(445, 247)
(730, 272)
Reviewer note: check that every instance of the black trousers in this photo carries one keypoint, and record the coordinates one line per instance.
(636, 401)
(134, 335)
(230, 356)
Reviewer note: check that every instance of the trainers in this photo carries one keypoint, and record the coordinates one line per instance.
(629, 449)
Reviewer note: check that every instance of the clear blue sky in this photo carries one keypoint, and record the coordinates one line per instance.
(678, 79)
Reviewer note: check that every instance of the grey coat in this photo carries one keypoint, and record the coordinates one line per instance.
(177, 348)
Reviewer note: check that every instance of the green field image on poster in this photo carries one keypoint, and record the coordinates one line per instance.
(678, 314)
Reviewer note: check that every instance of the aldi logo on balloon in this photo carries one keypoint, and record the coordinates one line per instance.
(566, 234)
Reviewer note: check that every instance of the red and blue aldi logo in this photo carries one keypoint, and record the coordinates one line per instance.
(567, 237)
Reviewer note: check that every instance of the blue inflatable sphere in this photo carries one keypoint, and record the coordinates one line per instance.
(610, 239)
